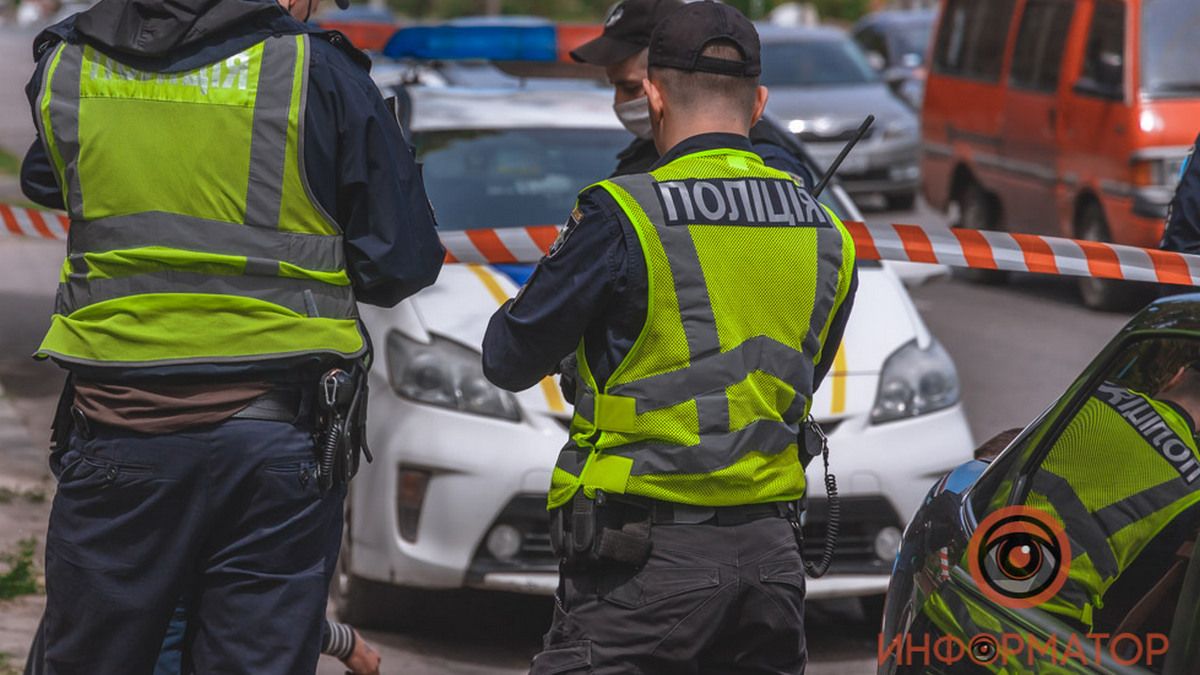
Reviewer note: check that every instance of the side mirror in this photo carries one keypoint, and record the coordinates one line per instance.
(876, 60)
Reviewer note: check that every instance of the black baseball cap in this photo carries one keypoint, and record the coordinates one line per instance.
(678, 41)
(627, 30)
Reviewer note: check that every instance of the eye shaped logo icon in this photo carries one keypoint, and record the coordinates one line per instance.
(1019, 556)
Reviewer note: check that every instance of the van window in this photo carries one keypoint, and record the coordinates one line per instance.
(971, 39)
(1104, 61)
(1169, 30)
(1041, 40)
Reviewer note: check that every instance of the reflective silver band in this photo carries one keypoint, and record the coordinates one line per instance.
(298, 295)
(713, 453)
(572, 458)
(321, 253)
(695, 307)
(268, 139)
(301, 121)
(1081, 526)
(721, 370)
(829, 265)
(1137, 507)
(64, 117)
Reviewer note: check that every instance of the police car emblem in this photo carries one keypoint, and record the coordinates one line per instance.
(617, 13)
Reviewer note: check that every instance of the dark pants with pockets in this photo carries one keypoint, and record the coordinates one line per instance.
(228, 517)
(725, 600)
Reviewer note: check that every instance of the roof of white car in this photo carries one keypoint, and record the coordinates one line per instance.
(452, 108)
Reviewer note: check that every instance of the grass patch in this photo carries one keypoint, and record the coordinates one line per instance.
(20, 578)
(33, 495)
(7, 667)
(9, 163)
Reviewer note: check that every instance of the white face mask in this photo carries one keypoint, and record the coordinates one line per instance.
(635, 117)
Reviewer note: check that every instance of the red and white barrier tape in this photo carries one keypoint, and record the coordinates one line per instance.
(20, 222)
(905, 243)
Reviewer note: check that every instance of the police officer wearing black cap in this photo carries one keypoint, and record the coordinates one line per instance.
(705, 300)
(622, 51)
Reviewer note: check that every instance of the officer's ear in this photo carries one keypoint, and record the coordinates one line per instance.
(654, 99)
(760, 104)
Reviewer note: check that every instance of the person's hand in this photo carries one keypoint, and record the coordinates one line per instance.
(364, 660)
(568, 377)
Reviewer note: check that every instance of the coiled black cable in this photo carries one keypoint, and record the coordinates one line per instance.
(833, 521)
(329, 448)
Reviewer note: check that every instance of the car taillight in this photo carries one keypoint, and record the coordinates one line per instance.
(410, 497)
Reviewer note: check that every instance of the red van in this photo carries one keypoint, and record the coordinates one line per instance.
(1063, 117)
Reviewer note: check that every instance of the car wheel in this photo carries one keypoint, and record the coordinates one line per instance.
(1112, 295)
(904, 201)
(975, 212)
(365, 603)
(357, 601)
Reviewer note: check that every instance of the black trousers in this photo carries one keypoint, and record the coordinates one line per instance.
(228, 518)
(711, 599)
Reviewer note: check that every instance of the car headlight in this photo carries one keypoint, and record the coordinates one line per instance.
(897, 129)
(915, 381)
(446, 374)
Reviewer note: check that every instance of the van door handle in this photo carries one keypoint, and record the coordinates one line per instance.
(1052, 117)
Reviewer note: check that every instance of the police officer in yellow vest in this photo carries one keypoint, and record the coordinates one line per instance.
(235, 184)
(706, 299)
(1112, 516)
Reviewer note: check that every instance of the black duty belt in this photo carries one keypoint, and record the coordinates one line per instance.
(277, 405)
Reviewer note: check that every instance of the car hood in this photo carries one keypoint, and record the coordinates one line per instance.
(836, 108)
(465, 296)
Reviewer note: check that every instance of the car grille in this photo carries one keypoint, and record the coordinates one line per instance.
(861, 520)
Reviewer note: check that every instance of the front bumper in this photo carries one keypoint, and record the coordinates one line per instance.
(874, 166)
(488, 472)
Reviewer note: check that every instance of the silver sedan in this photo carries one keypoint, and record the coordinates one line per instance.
(821, 89)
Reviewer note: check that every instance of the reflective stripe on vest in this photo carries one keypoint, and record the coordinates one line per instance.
(705, 408)
(1109, 523)
(194, 235)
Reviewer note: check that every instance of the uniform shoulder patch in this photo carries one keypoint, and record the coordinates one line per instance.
(565, 232)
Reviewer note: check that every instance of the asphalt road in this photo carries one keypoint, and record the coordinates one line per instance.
(1016, 346)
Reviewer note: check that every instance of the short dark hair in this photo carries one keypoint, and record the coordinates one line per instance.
(690, 89)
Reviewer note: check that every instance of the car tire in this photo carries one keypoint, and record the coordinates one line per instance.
(1108, 295)
(365, 603)
(976, 212)
(903, 201)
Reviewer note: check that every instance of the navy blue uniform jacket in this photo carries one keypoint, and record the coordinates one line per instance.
(595, 287)
(1183, 219)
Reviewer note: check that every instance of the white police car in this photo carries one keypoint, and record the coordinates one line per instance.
(456, 495)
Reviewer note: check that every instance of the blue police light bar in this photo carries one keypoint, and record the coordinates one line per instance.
(493, 43)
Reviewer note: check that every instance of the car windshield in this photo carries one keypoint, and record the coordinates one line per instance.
(487, 178)
(911, 40)
(814, 63)
(1169, 29)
